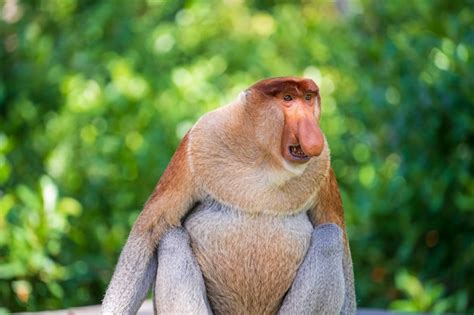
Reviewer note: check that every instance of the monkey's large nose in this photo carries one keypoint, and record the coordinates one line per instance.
(310, 137)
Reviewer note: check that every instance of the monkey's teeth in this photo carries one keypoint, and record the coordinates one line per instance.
(297, 152)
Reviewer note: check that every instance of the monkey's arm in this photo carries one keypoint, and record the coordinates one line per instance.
(324, 283)
(329, 209)
(318, 287)
(179, 285)
(136, 269)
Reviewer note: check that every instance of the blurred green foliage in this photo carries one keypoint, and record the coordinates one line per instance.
(95, 95)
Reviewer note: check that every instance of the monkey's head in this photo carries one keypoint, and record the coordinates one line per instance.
(265, 150)
(291, 107)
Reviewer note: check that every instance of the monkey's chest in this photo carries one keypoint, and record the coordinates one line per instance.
(248, 261)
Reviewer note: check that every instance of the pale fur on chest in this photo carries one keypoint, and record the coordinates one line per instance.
(248, 261)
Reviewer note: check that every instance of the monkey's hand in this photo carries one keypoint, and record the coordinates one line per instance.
(319, 286)
(179, 286)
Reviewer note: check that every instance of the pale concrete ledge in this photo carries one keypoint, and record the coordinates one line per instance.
(147, 309)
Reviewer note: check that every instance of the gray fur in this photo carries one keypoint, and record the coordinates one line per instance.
(132, 279)
(323, 285)
(319, 284)
(349, 306)
(179, 286)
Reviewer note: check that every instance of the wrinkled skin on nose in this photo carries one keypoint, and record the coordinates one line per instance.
(302, 138)
(310, 137)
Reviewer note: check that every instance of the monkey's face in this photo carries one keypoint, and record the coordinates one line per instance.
(300, 103)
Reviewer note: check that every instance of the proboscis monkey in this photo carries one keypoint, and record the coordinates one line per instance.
(246, 219)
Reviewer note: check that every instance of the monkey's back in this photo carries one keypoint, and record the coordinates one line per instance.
(248, 261)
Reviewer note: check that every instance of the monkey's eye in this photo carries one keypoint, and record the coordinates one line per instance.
(288, 98)
(307, 97)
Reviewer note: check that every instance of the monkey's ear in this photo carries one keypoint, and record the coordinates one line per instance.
(244, 95)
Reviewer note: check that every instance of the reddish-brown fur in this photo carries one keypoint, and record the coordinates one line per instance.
(173, 196)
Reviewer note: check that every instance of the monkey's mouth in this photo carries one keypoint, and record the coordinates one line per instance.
(297, 153)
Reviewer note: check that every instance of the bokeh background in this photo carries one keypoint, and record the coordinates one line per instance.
(95, 96)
